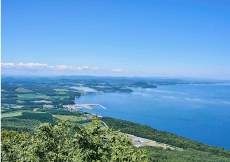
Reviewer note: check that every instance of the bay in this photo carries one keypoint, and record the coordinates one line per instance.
(198, 112)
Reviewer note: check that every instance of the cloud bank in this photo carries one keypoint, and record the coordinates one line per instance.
(117, 70)
(38, 68)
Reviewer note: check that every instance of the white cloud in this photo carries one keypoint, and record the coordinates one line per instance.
(64, 67)
(61, 66)
(32, 65)
(27, 65)
(45, 68)
(7, 65)
(117, 70)
(39, 68)
(95, 68)
(85, 67)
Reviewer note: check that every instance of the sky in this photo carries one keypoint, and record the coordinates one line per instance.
(151, 38)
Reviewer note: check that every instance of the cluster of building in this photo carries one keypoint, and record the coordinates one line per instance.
(70, 107)
(48, 106)
(17, 107)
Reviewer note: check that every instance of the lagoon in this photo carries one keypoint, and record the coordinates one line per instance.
(198, 112)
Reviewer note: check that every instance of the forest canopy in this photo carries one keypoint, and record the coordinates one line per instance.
(68, 142)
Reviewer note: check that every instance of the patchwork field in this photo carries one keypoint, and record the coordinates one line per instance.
(61, 91)
(43, 96)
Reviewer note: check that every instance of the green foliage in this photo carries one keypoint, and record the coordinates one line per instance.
(9, 88)
(27, 121)
(68, 142)
(42, 117)
(30, 119)
(143, 85)
(162, 136)
(12, 143)
(189, 155)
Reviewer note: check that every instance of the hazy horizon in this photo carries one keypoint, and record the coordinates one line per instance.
(107, 76)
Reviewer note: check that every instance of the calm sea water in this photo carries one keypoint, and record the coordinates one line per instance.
(198, 112)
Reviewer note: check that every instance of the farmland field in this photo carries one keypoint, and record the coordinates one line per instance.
(23, 90)
(28, 95)
(18, 113)
(19, 101)
(61, 90)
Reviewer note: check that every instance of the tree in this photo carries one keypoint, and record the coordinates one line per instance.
(68, 142)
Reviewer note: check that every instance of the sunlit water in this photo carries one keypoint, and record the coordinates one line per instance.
(198, 112)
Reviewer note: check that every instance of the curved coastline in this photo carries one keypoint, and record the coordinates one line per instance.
(165, 119)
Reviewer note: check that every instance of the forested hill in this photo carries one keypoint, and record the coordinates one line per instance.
(193, 151)
(143, 85)
(162, 136)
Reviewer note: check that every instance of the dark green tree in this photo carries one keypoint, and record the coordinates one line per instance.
(68, 142)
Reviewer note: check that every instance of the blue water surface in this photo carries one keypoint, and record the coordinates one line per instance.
(198, 112)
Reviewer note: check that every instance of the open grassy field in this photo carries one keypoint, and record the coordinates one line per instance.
(23, 90)
(75, 119)
(17, 113)
(43, 96)
(61, 90)
(19, 101)
(28, 95)
(68, 117)
(79, 92)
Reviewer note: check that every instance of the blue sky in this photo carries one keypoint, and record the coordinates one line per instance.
(117, 38)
